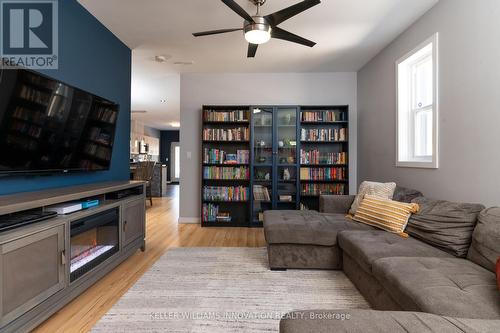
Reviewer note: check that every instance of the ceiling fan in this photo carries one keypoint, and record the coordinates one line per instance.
(260, 29)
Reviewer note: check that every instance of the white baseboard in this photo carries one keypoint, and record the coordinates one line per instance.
(189, 220)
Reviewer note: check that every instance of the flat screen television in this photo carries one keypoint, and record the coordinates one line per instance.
(47, 126)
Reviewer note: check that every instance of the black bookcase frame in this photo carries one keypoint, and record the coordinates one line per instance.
(245, 211)
(312, 201)
(240, 209)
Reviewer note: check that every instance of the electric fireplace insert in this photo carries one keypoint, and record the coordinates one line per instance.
(93, 240)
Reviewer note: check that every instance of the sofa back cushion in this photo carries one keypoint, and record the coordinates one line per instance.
(382, 190)
(403, 194)
(485, 247)
(385, 214)
(445, 225)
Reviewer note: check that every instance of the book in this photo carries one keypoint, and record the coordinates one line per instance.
(228, 173)
(223, 217)
(285, 198)
(323, 116)
(225, 193)
(323, 134)
(315, 156)
(219, 156)
(261, 193)
(324, 173)
(226, 134)
(225, 116)
(318, 189)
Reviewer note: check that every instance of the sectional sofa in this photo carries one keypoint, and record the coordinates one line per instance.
(444, 270)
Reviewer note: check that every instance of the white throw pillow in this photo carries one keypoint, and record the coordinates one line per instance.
(381, 190)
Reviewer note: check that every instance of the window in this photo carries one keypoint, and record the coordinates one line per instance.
(417, 110)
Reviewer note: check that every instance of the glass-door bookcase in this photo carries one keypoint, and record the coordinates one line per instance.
(274, 162)
(286, 159)
(262, 164)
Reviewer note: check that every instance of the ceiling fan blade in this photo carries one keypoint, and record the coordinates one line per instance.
(238, 10)
(284, 14)
(252, 50)
(288, 36)
(215, 32)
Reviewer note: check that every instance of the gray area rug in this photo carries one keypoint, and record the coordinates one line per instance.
(224, 290)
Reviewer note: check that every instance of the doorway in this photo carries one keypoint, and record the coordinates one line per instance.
(175, 165)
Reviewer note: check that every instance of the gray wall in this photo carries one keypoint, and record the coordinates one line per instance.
(469, 98)
(247, 89)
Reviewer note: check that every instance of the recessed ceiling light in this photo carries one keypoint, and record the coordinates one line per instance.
(175, 124)
(162, 58)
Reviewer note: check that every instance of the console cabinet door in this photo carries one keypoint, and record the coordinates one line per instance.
(32, 270)
(133, 221)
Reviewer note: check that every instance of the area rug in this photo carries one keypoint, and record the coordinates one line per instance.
(224, 290)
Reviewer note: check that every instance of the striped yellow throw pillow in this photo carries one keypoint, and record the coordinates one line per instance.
(385, 214)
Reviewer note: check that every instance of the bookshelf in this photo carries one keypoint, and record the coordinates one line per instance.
(274, 162)
(324, 151)
(225, 194)
(257, 158)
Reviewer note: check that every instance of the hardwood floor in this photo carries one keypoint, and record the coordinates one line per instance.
(162, 232)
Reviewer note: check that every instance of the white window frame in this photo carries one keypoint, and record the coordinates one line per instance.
(424, 161)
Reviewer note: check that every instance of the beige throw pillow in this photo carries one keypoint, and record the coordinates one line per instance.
(388, 215)
(381, 190)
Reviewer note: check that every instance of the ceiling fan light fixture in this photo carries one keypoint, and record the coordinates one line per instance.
(260, 29)
(258, 32)
(258, 36)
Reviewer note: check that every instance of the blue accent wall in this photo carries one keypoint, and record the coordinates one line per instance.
(93, 59)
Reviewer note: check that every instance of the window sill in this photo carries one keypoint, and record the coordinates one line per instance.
(416, 164)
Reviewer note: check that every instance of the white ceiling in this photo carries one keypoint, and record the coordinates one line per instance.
(348, 32)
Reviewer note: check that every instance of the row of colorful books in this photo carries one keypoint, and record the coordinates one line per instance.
(231, 173)
(225, 193)
(211, 213)
(315, 156)
(318, 189)
(235, 115)
(219, 156)
(323, 174)
(324, 116)
(323, 134)
(229, 134)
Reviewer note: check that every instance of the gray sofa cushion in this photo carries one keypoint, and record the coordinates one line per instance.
(445, 286)
(403, 194)
(305, 227)
(367, 246)
(362, 321)
(485, 247)
(339, 204)
(443, 224)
